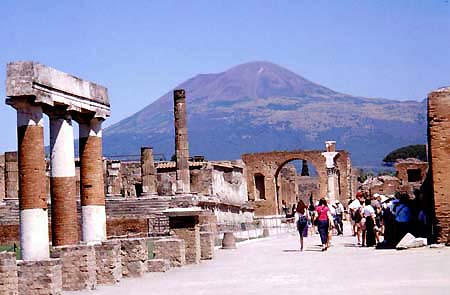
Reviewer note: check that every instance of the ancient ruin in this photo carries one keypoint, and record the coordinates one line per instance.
(333, 169)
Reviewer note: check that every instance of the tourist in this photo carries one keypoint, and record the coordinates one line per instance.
(323, 222)
(331, 227)
(356, 217)
(301, 219)
(312, 215)
(402, 213)
(284, 208)
(338, 217)
(369, 233)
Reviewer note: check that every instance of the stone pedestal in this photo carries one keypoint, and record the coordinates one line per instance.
(172, 250)
(207, 245)
(134, 255)
(229, 241)
(191, 237)
(158, 265)
(148, 172)
(9, 283)
(78, 266)
(40, 277)
(109, 262)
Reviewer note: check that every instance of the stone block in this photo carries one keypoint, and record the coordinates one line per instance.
(78, 266)
(207, 245)
(409, 241)
(134, 255)
(9, 283)
(191, 237)
(172, 250)
(158, 265)
(40, 277)
(109, 262)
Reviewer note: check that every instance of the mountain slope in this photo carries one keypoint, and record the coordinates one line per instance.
(260, 106)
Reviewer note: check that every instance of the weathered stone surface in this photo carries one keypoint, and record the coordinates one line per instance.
(148, 171)
(50, 86)
(158, 265)
(191, 237)
(267, 166)
(40, 277)
(229, 241)
(134, 255)
(181, 141)
(439, 154)
(172, 250)
(109, 262)
(78, 266)
(409, 241)
(9, 283)
(207, 245)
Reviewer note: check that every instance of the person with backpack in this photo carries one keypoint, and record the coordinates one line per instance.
(301, 217)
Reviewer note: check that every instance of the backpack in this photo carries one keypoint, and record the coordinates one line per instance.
(357, 216)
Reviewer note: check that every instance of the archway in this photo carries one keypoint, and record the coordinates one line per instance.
(295, 180)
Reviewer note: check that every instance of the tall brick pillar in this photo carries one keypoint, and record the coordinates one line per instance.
(439, 155)
(332, 171)
(93, 212)
(181, 142)
(32, 190)
(148, 171)
(62, 180)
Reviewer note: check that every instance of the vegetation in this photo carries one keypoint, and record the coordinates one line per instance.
(417, 151)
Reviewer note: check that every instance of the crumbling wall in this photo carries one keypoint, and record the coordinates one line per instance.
(439, 155)
(229, 184)
(2, 177)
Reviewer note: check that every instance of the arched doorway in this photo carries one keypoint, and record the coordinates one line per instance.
(295, 180)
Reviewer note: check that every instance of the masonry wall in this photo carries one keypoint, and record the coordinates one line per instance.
(439, 155)
(2, 177)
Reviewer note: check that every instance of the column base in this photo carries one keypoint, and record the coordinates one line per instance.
(40, 277)
(207, 245)
(109, 262)
(78, 267)
(191, 237)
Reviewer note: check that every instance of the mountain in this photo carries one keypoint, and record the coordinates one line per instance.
(260, 106)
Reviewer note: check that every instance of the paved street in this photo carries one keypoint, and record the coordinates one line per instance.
(275, 266)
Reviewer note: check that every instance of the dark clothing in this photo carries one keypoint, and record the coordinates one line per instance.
(323, 230)
(339, 224)
(370, 233)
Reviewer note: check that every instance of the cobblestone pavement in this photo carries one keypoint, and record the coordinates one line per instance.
(275, 266)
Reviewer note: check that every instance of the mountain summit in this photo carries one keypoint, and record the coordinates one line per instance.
(260, 106)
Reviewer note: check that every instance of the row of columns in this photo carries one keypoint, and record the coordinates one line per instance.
(34, 237)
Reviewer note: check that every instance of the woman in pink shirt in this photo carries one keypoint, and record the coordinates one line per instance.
(323, 217)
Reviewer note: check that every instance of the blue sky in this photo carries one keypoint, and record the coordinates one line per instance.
(142, 49)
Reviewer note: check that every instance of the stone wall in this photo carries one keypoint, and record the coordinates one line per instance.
(8, 274)
(109, 262)
(171, 249)
(402, 167)
(269, 164)
(439, 158)
(134, 256)
(2, 178)
(40, 277)
(122, 226)
(207, 245)
(11, 175)
(78, 266)
(191, 237)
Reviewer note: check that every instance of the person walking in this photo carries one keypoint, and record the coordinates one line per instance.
(369, 215)
(339, 217)
(301, 218)
(323, 222)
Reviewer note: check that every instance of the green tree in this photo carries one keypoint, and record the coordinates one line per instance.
(417, 151)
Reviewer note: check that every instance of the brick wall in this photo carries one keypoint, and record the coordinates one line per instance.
(8, 274)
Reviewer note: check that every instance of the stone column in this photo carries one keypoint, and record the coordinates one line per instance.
(93, 212)
(181, 142)
(62, 180)
(148, 172)
(34, 240)
(332, 172)
(439, 157)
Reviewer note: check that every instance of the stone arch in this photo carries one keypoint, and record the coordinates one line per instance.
(269, 165)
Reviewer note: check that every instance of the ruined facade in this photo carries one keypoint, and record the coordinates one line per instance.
(263, 169)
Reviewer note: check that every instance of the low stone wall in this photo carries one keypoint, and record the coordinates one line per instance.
(109, 262)
(40, 277)
(172, 250)
(158, 265)
(9, 283)
(207, 245)
(78, 266)
(191, 237)
(134, 256)
(121, 226)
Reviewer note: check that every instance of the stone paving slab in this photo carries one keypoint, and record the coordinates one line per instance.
(274, 265)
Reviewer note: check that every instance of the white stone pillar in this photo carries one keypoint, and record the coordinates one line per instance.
(93, 213)
(34, 238)
(332, 177)
(62, 180)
